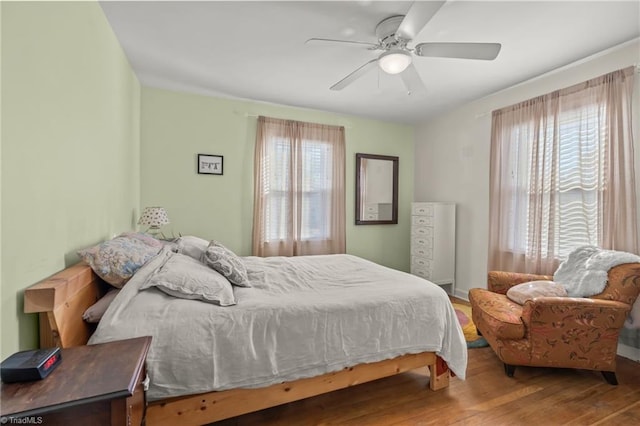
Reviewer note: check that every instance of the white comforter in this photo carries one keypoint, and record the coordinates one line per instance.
(302, 317)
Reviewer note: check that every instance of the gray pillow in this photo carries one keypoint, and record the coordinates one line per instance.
(184, 277)
(192, 246)
(227, 263)
(94, 313)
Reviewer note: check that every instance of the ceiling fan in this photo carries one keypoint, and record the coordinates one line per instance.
(395, 33)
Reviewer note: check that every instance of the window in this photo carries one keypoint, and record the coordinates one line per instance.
(314, 193)
(299, 199)
(576, 185)
(582, 136)
(562, 175)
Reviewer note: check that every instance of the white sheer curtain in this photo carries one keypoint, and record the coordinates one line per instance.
(299, 195)
(562, 175)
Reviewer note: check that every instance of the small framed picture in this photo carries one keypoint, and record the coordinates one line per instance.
(209, 164)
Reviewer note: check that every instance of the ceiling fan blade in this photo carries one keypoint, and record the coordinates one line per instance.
(354, 75)
(412, 80)
(417, 17)
(484, 51)
(330, 40)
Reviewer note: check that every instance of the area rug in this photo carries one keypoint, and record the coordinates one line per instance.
(463, 312)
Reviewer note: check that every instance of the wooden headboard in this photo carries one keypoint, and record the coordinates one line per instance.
(60, 301)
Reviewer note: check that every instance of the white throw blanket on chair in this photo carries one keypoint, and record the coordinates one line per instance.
(584, 274)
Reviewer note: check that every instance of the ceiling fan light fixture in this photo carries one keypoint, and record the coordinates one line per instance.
(394, 61)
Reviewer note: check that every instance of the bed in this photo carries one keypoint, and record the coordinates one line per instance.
(296, 332)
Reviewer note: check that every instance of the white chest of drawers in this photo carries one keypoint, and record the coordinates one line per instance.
(433, 243)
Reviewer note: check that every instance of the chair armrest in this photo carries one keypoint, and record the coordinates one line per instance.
(573, 332)
(502, 281)
(564, 313)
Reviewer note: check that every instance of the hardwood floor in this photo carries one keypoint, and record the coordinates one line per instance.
(534, 396)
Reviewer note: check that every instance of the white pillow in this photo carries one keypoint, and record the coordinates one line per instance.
(192, 246)
(522, 292)
(186, 278)
(94, 313)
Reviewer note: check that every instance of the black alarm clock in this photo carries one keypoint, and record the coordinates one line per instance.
(30, 365)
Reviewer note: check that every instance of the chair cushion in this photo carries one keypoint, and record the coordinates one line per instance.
(497, 312)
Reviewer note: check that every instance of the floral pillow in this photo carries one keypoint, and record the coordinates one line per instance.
(226, 262)
(526, 291)
(186, 278)
(116, 260)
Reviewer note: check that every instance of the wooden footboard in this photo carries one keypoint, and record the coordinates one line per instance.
(214, 406)
(61, 299)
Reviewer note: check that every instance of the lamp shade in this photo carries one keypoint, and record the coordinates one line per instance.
(154, 217)
(394, 61)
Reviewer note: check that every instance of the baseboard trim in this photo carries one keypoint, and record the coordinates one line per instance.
(629, 352)
(462, 294)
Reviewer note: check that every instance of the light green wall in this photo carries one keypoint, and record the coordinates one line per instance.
(70, 146)
(177, 126)
(74, 170)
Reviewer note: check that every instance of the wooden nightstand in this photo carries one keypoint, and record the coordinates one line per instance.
(93, 385)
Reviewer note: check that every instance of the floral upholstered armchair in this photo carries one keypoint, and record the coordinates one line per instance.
(551, 331)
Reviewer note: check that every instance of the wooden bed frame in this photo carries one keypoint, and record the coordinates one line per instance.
(61, 299)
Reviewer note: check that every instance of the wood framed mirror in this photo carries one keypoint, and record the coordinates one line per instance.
(376, 189)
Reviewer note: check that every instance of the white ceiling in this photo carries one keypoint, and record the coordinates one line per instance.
(257, 50)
